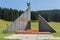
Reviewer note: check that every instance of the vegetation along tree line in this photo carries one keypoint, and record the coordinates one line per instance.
(12, 14)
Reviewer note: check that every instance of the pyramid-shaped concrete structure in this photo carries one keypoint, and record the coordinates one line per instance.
(44, 26)
(22, 23)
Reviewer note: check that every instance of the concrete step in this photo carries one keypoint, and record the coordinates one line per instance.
(32, 32)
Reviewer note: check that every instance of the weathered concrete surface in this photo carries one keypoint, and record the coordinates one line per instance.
(30, 36)
(21, 23)
(44, 26)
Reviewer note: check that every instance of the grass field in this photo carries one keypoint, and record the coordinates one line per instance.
(34, 25)
(3, 26)
(56, 26)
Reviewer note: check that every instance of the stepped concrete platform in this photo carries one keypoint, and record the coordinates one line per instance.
(33, 35)
(32, 32)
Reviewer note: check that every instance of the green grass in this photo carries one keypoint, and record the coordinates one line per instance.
(56, 26)
(4, 24)
(34, 25)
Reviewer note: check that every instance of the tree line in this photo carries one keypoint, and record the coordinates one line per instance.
(49, 15)
(9, 14)
(12, 14)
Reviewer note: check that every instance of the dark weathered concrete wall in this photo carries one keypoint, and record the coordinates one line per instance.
(44, 26)
(28, 27)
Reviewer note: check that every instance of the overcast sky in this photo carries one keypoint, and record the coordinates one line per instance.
(35, 4)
